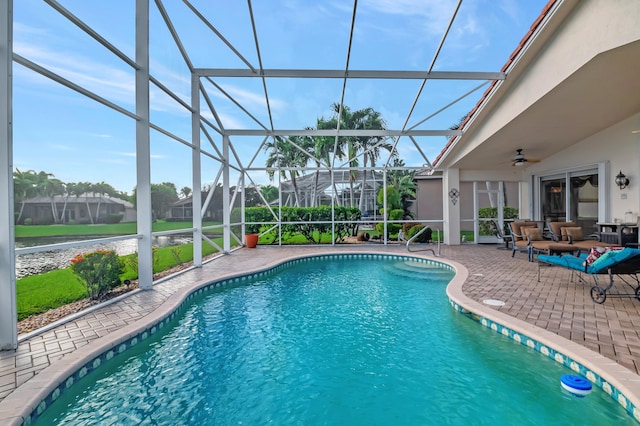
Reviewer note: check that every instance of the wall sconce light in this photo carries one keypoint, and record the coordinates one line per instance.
(622, 181)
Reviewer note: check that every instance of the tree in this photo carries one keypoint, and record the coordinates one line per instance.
(24, 187)
(283, 154)
(251, 196)
(403, 181)
(102, 188)
(367, 147)
(269, 192)
(48, 187)
(163, 195)
(185, 192)
(324, 146)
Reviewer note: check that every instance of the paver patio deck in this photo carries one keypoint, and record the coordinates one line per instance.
(555, 304)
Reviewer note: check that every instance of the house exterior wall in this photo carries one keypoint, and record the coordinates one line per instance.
(591, 30)
(428, 203)
(619, 150)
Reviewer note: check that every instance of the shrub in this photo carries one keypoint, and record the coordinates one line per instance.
(28, 221)
(114, 218)
(310, 222)
(392, 228)
(425, 237)
(100, 270)
(492, 212)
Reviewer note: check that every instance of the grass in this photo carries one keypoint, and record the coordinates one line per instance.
(125, 228)
(39, 293)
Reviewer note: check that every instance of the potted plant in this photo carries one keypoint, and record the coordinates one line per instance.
(251, 235)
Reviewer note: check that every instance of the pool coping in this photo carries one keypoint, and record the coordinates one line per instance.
(18, 407)
(622, 384)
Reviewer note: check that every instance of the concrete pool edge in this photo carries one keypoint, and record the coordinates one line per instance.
(613, 378)
(19, 406)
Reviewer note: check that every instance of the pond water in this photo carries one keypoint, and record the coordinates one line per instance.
(38, 263)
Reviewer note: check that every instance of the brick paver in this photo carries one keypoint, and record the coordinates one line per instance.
(556, 303)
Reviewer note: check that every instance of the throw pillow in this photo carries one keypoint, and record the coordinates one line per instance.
(574, 233)
(534, 234)
(597, 252)
(565, 231)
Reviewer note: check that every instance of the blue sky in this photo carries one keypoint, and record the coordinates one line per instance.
(77, 139)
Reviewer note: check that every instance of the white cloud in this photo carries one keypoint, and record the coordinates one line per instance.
(133, 154)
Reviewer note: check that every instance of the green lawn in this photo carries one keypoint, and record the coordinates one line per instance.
(126, 228)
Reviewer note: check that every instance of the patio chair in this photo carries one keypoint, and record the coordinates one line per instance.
(505, 238)
(572, 233)
(522, 233)
(622, 262)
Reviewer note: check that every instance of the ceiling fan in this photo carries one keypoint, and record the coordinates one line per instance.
(520, 159)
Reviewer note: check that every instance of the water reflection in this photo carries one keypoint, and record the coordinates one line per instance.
(38, 263)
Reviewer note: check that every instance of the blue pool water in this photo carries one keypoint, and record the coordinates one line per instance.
(328, 342)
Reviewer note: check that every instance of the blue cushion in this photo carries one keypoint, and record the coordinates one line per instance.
(618, 256)
(568, 261)
(577, 263)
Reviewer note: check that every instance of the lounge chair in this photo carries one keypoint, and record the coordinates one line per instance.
(621, 262)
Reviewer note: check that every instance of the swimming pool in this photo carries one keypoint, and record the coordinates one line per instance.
(357, 339)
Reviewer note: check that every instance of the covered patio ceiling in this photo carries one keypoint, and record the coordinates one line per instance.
(603, 92)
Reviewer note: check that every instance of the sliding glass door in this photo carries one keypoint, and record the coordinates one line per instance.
(572, 196)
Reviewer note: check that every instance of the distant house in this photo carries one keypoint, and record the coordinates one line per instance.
(87, 208)
(319, 189)
(182, 210)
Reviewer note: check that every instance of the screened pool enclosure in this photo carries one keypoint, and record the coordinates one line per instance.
(231, 98)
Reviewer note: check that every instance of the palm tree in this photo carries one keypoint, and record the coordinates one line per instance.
(24, 187)
(284, 154)
(325, 146)
(185, 192)
(369, 147)
(403, 181)
(47, 186)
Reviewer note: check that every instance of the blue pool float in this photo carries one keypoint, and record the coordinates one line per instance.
(575, 385)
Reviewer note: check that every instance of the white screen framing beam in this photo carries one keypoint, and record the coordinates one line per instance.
(369, 74)
(8, 307)
(143, 148)
(342, 132)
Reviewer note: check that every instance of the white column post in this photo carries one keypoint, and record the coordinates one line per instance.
(226, 199)
(451, 204)
(243, 201)
(8, 307)
(143, 148)
(384, 206)
(196, 166)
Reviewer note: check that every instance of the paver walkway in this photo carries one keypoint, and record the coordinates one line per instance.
(555, 304)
